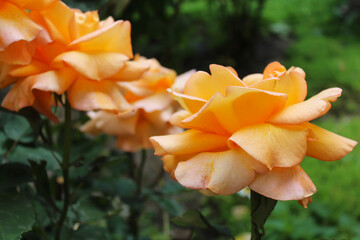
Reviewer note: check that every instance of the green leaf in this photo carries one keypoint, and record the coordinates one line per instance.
(195, 219)
(89, 232)
(16, 216)
(172, 187)
(87, 210)
(3, 148)
(23, 153)
(13, 174)
(261, 208)
(169, 204)
(17, 128)
(41, 181)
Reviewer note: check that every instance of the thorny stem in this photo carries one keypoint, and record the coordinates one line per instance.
(65, 169)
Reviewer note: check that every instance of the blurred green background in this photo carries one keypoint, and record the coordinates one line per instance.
(322, 37)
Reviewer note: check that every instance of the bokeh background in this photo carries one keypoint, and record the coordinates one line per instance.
(322, 37)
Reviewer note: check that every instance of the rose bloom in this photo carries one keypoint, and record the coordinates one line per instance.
(253, 132)
(19, 34)
(153, 107)
(86, 59)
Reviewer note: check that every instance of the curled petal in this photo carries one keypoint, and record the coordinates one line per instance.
(252, 78)
(21, 95)
(18, 41)
(43, 103)
(189, 103)
(274, 146)
(5, 78)
(110, 123)
(187, 142)
(220, 79)
(87, 95)
(240, 107)
(33, 4)
(177, 117)
(329, 146)
(180, 81)
(155, 102)
(284, 184)
(33, 68)
(95, 66)
(306, 111)
(273, 70)
(170, 162)
(223, 173)
(291, 83)
(113, 38)
(131, 71)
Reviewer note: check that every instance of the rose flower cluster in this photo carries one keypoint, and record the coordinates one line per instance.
(252, 132)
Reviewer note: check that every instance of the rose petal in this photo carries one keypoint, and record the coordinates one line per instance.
(187, 142)
(240, 107)
(308, 110)
(177, 117)
(189, 103)
(274, 146)
(33, 4)
(252, 78)
(87, 95)
(284, 184)
(219, 81)
(155, 102)
(291, 83)
(329, 146)
(95, 66)
(113, 38)
(223, 173)
(272, 69)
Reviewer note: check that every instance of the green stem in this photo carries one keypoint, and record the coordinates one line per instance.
(135, 212)
(261, 208)
(65, 169)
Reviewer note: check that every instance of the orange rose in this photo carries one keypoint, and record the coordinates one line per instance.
(253, 132)
(19, 34)
(86, 59)
(153, 107)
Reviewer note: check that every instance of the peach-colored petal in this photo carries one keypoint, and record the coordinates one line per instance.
(5, 78)
(291, 83)
(220, 79)
(96, 66)
(187, 142)
(252, 78)
(43, 103)
(83, 23)
(308, 110)
(223, 173)
(131, 71)
(284, 184)
(18, 41)
(180, 81)
(170, 162)
(272, 70)
(177, 117)
(56, 19)
(113, 38)
(329, 146)
(33, 68)
(240, 107)
(155, 102)
(33, 4)
(189, 103)
(87, 95)
(110, 123)
(274, 146)
(21, 95)
(305, 201)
